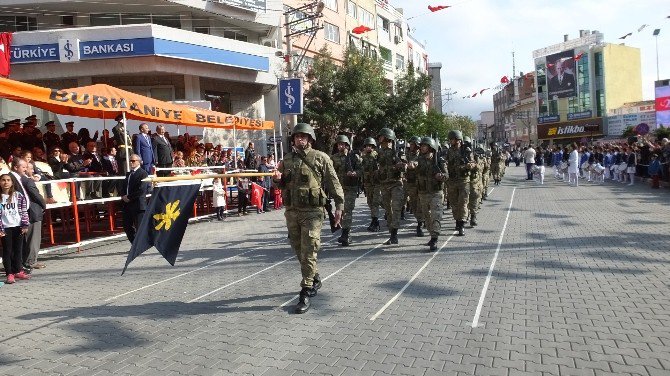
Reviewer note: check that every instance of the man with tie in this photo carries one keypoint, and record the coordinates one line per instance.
(134, 192)
(562, 85)
(110, 167)
(144, 149)
(162, 151)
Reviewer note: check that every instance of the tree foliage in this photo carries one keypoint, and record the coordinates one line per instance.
(355, 98)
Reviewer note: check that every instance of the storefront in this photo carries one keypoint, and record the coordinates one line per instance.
(563, 133)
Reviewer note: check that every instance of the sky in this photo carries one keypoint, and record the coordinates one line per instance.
(474, 39)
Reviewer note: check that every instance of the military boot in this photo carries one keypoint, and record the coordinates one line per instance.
(344, 239)
(433, 244)
(394, 237)
(374, 225)
(316, 285)
(419, 230)
(473, 219)
(460, 226)
(303, 303)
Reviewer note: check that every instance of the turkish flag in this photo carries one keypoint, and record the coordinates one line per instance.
(663, 104)
(504, 80)
(257, 196)
(360, 29)
(5, 53)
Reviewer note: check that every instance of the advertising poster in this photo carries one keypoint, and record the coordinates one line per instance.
(663, 106)
(561, 75)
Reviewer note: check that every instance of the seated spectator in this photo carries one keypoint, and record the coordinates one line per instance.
(57, 160)
(38, 175)
(110, 167)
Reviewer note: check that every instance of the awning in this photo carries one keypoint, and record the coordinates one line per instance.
(104, 101)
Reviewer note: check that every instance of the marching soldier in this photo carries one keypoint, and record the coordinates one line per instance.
(370, 184)
(411, 191)
(486, 173)
(348, 167)
(475, 184)
(459, 164)
(497, 163)
(301, 177)
(392, 165)
(431, 174)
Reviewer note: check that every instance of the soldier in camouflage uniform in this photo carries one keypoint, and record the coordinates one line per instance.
(348, 167)
(497, 163)
(475, 185)
(411, 190)
(301, 176)
(486, 173)
(460, 162)
(443, 154)
(392, 165)
(431, 174)
(370, 184)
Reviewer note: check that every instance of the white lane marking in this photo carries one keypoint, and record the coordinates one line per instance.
(241, 280)
(338, 270)
(388, 304)
(475, 320)
(491, 191)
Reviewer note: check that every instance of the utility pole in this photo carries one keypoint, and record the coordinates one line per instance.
(311, 11)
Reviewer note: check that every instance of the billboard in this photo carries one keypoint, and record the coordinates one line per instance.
(561, 78)
(616, 124)
(663, 104)
(571, 129)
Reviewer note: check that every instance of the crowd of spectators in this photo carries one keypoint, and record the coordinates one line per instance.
(622, 162)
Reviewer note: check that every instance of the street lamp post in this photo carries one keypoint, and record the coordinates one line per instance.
(656, 32)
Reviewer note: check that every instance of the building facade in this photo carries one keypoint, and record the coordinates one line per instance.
(436, 95)
(578, 81)
(515, 116)
(208, 53)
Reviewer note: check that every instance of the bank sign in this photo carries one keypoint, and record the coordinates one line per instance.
(73, 50)
(572, 129)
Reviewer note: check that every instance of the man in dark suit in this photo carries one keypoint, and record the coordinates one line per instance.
(563, 83)
(110, 167)
(122, 141)
(134, 192)
(162, 151)
(250, 157)
(36, 206)
(144, 149)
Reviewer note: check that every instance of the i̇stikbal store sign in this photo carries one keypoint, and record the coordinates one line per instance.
(573, 129)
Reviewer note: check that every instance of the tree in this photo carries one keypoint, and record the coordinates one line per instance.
(465, 124)
(432, 124)
(661, 133)
(628, 132)
(320, 105)
(403, 109)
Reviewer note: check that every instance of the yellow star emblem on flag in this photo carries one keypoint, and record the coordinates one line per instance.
(171, 214)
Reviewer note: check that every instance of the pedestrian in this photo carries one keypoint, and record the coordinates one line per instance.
(134, 191)
(539, 163)
(431, 175)
(301, 176)
(348, 168)
(370, 165)
(529, 160)
(410, 187)
(243, 190)
(13, 227)
(219, 198)
(460, 162)
(392, 165)
(573, 166)
(655, 171)
(265, 182)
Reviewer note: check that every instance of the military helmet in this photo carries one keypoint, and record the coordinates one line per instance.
(304, 128)
(415, 139)
(388, 133)
(430, 142)
(370, 141)
(467, 139)
(344, 139)
(455, 135)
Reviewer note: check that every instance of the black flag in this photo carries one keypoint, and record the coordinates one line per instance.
(164, 222)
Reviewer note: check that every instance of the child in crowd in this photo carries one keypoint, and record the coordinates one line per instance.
(243, 187)
(219, 198)
(13, 227)
(655, 171)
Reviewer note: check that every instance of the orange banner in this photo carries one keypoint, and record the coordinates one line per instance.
(104, 101)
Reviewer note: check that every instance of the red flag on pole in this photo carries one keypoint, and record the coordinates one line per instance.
(5, 53)
(257, 196)
(360, 29)
(504, 80)
(437, 7)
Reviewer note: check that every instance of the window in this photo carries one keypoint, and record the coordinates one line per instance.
(110, 19)
(331, 32)
(220, 101)
(67, 20)
(233, 35)
(383, 27)
(399, 62)
(553, 107)
(598, 56)
(386, 55)
(351, 9)
(201, 29)
(366, 18)
(18, 23)
(331, 4)
(600, 103)
(168, 20)
(105, 19)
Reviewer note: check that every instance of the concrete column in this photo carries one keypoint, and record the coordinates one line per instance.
(186, 20)
(191, 87)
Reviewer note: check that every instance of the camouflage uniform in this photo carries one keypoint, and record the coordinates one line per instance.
(458, 183)
(411, 190)
(390, 179)
(486, 174)
(343, 164)
(431, 173)
(475, 189)
(372, 192)
(304, 198)
(497, 165)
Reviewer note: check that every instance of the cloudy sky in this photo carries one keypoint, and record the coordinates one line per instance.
(474, 39)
